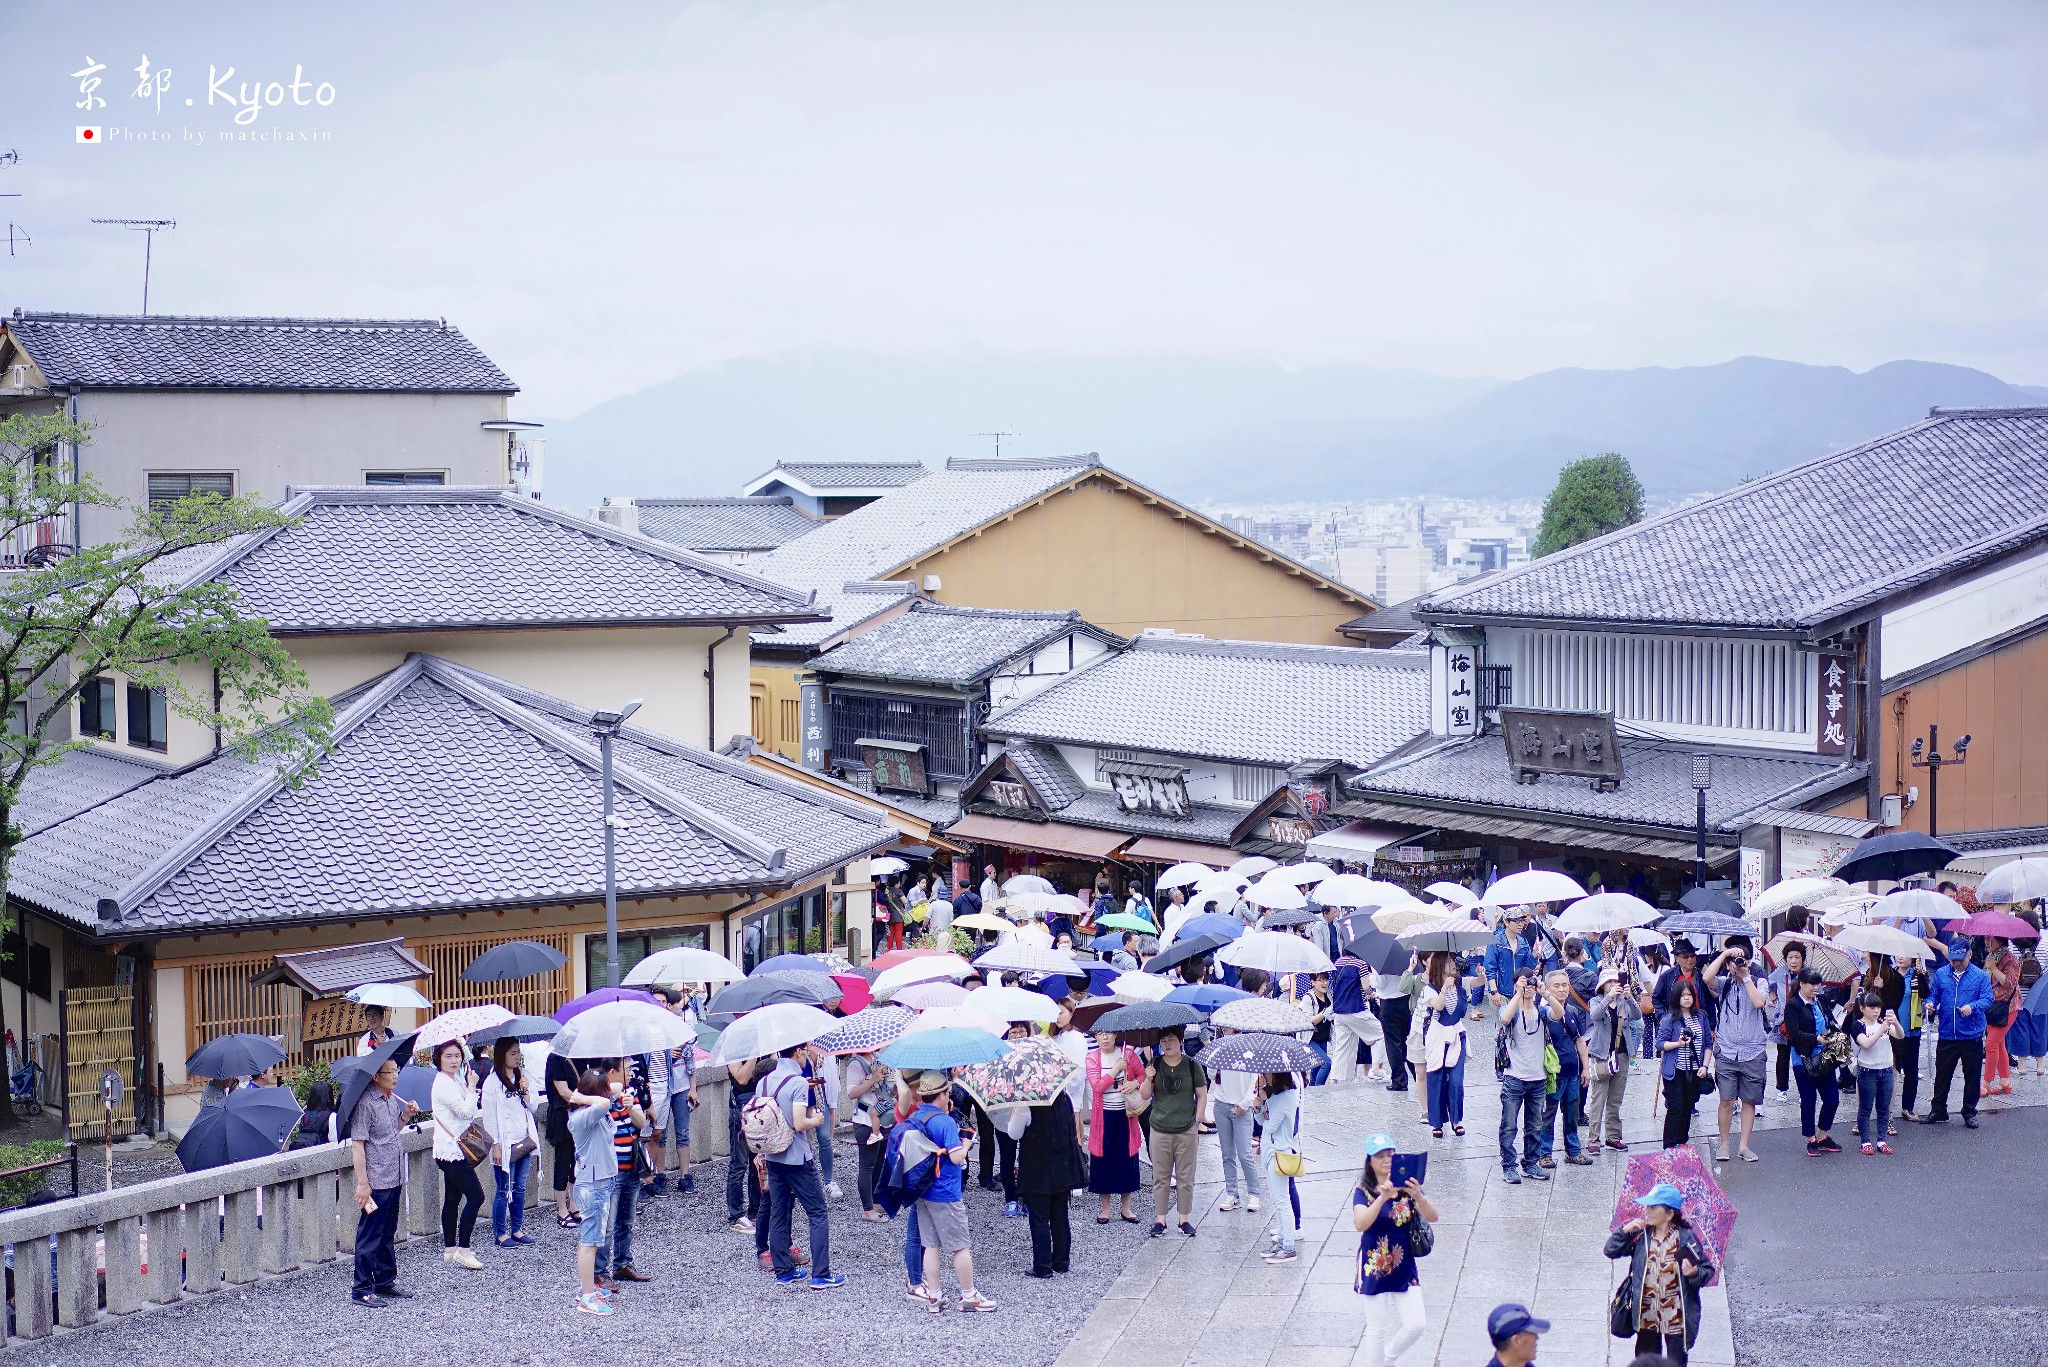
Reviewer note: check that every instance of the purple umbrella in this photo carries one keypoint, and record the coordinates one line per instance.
(1707, 1208)
(575, 1007)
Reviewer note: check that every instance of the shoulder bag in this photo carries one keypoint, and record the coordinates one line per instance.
(1289, 1162)
(474, 1141)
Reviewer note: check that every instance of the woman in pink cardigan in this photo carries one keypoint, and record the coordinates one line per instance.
(1115, 1073)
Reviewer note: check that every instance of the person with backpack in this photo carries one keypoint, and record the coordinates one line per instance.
(941, 1212)
(1564, 1104)
(780, 1126)
(1524, 1078)
(1742, 1034)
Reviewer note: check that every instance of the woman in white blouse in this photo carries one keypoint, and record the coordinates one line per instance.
(455, 1107)
(507, 1101)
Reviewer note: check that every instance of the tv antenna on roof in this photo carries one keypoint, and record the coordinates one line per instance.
(149, 228)
(15, 234)
(999, 439)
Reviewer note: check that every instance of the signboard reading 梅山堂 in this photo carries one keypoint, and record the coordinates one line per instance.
(1543, 740)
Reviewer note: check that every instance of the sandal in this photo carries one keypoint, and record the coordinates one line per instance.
(567, 1221)
(1129, 1219)
(1458, 1130)
(1436, 1132)
(1102, 1219)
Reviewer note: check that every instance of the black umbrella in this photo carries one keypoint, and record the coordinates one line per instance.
(234, 1056)
(763, 989)
(352, 1075)
(254, 1122)
(513, 959)
(1711, 899)
(1896, 856)
(525, 1029)
(1291, 916)
(1148, 1016)
(1380, 951)
(1254, 1052)
(1183, 950)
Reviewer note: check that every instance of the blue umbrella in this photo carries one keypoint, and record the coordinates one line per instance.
(1705, 923)
(1103, 944)
(790, 963)
(951, 1047)
(254, 1122)
(416, 1084)
(1099, 980)
(1205, 996)
(234, 1056)
(1210, 923)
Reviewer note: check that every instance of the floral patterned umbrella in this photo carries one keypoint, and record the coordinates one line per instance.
(1707, 1208)
(1033, 1073)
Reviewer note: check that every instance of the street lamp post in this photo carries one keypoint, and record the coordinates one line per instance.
(1702, 779)
(1933, 763)
(607, 726)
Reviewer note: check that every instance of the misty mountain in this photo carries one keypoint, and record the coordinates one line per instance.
(1211, 430)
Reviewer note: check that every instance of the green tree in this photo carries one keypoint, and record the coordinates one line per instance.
(1593, 496)
(125, 608)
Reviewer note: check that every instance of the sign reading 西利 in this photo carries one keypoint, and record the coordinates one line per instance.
(811, 717)
(1542, 740)
(1836, 698)
(897, 768)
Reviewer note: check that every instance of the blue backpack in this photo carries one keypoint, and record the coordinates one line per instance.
(899, 1188)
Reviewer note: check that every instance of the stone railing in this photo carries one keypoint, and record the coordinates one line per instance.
(116, 1253)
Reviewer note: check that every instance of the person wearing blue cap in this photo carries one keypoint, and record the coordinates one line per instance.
(1388, 1218)
(1659, 1303)
(1513, 1331)
(1958, 998)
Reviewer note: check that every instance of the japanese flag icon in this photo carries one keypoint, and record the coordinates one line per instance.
(90, 133)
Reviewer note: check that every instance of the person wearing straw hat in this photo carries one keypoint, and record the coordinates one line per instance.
(1667, 1267)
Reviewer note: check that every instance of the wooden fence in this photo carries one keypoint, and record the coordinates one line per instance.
(99, 1031)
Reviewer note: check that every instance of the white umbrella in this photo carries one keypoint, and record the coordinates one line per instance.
(1852, 910)
(957, 1017)
(685, 964)
(1398, 916)
(1047, 905)
(1275, 896)
(1794, 892)
(1356, 890)
(617, 1029)
(1276, 952)
(1902, 904)
(886, 864)
(1533, 885)
(928, 996)
(1024, 958)
(1605, 911)
(1134, 987)
(924, 969)
(1183, 875)
(1457, 894)
(1452, 934)
(461, 1023)
(1026, 882)
(1251, 866)
(1013, 1003)
(393, 995)
(2022, 880)
(1301, 875)
(1881, 939)
(1640, 937)
(763, 1031)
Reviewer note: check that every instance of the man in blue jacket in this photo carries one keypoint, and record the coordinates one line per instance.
(1957, 998)
(1514, 951)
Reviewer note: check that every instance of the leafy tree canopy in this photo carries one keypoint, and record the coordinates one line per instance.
(1593, 496)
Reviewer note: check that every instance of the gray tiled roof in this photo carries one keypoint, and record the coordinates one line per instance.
(81, 779)
(935, 643)
(1391, 618)
(723, 524)
(1204, 822)
(1656, 787)
(446, 788)
(849, 474)
(848, 606)
(1047, 770)
(420, 558)
(1803, 547)
(164, 351)
(1245, 701)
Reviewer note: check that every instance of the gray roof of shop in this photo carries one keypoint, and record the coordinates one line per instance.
(390, 559)
(938, 643)
(723, 524)
(1245, 701)
(81, 779)
(446, 789)
(1804, 547)
(337, 968)
(1656, 787)
(847, 474)
(167, 351)
(1047, 770)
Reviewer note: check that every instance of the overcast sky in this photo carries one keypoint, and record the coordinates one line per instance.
(608, 195)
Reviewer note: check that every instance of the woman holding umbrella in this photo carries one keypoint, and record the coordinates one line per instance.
(1660, 1301)
(2002, 962)
(1280, 1113)
(1115, 1075)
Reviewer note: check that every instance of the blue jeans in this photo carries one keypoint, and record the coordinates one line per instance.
(508, 1201)
(789, 1183)
(1446, 1095)
(620, 1252)
(1234, 1138)
(1524, 1101)
(376, 1255)
(1322, 1068)
(1285, 1220)
(1565, 1103)
(913, 1247)
(821, 1140)
(597, 1200)
(1825, 1092)
(1873, 1104)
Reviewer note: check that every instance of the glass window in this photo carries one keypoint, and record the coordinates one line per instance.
(96, 708)
(635, 946)
(25, 965)
(165, 490)
(148, 723)
(408, 479)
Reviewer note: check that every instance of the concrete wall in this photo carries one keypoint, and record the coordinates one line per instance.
(1998, 700)
(271, 439)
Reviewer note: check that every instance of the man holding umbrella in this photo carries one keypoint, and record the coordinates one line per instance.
(373, 1128)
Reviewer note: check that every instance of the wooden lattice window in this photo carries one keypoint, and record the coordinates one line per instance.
(527, 997)
(221, 999)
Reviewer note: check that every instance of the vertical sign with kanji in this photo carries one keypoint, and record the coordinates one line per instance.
(1454, 709)
(1835, 698)
(811, 716)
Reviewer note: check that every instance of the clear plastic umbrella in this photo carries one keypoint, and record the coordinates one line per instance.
(391, 995)
(1281, 896)
(1794, 892)
(1533, 885)
(1300, 875)
(1182, 876)
(1605, 911)
(2022, 880)
(1027, 882)
(684, 964)
(770, 1030)
(617, 1029)
(1356, 890)
(1013, 1004)
(1276, 952)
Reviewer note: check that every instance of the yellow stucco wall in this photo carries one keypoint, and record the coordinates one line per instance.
(1127, 565)
(772, 691)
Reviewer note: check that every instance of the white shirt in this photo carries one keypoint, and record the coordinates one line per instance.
(454, 1107)
(991, 893)
(508, 1115)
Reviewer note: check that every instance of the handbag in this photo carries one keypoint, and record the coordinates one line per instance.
(1622, 1311)
(474, 1141)
(1289, 1163)
(519, 1152)
(1422, 1238)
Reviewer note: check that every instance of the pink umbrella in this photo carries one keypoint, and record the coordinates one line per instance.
(460, 1023)
(1707, 1208)
(2003, 924)
(857, 993)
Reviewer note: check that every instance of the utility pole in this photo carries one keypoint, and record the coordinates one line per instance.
(1934, 763)
(608, 725)
(149, 228)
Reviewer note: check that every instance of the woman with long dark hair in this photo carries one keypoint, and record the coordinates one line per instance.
(1386, 1218)
(507, 1103)
(1280, 1110)
(1683, 1038)
(1444, 1001)
(462, 1195)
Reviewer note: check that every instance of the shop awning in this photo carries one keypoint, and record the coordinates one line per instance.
(1156, 849)
(1359, 840)
(326, 972)
(1546, 833)
(1044, 837)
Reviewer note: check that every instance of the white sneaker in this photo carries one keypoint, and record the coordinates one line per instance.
(832, 1190)
(1227, 1203)
(1251, 1203)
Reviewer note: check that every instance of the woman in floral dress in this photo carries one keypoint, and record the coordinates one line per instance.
(1387, 1217)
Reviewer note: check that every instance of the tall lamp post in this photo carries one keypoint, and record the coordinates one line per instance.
(607, 725)
(1927, 755)
(1702, 779)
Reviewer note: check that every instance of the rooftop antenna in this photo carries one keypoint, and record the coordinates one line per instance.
(149, 228)
(15, 234)
(999, 439)
(10, 158)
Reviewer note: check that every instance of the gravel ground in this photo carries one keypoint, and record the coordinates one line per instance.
(131, 1165)
(707, 1294)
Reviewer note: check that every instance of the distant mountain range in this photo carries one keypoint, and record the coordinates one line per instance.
(1207, 431)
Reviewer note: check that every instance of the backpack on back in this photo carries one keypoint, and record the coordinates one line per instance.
(763, 1126)
(899, 1185)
